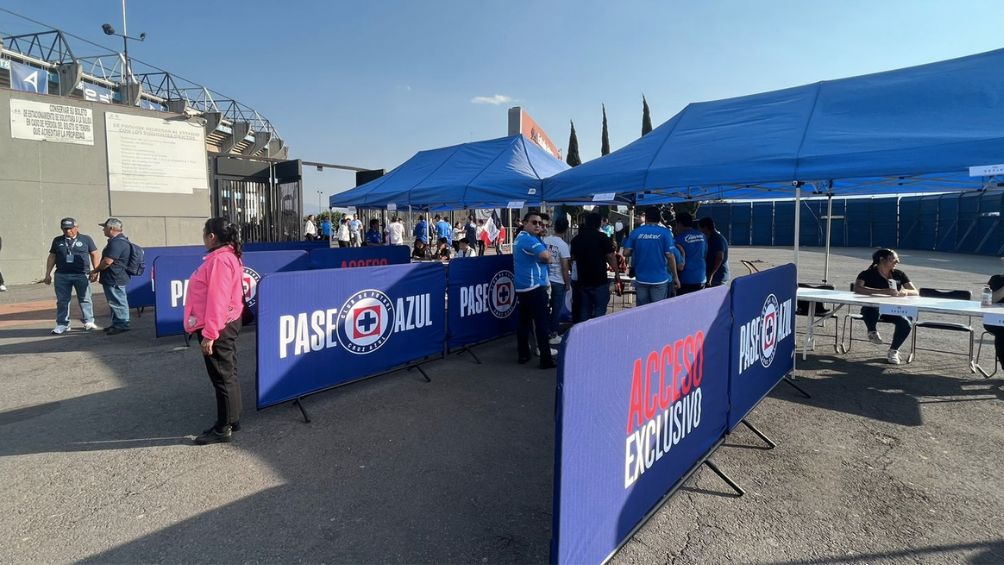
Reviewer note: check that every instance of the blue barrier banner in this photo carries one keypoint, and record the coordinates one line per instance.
(171, 273)
(351, 257)
(287, 245)
(763, 336)
(481, 299)
(140, 289)
(320, 329)
(642, 398)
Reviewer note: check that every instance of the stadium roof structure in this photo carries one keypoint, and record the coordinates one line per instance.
(925, 126)
(231, 126)
(481, 174)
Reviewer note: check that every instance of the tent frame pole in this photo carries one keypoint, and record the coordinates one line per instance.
(829, 227)
(798, 214)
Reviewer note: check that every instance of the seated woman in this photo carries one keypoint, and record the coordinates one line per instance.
(884, 279)
(444, 252)
(419, 251)
(996, 283)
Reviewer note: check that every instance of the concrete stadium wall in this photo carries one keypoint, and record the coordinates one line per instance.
(41, 182)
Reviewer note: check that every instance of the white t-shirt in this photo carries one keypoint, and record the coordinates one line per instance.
(559, 250)
(343, 232)
(309, 228)
(396, 230)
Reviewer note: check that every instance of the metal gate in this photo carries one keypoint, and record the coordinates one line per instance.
(264, 197)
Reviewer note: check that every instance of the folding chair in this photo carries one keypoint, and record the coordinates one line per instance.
(979, 352)
(822, 313)
(947, 326)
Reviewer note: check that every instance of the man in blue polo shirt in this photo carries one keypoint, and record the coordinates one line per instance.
(444, 229)
(72, 254)
(421, 232)
(110, 272)
(651, 245)
(530, 263)
(694, 247)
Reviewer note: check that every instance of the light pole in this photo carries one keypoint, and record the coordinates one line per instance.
(109, 30)
(319, 207)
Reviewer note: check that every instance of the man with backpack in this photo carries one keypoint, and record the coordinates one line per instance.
(111, 273)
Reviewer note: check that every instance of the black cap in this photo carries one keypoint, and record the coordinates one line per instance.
(67, 223)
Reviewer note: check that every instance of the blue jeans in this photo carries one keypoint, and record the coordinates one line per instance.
(592, 301)
(119, 304)
(649, 293)
(65, 284)
(557, 303)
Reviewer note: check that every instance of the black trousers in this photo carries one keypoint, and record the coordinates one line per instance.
(871, 317)
(533, 313)
(222, 368)
(688, 288)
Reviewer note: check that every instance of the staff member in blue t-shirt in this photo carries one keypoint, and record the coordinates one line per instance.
(718, 253)
(110, 272)
(530, 262)
(694, 247)
(421, 231)
(651, 245)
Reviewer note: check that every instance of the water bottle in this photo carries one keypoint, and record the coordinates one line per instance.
(987, 297)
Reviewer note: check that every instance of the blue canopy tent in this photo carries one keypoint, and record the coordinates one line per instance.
(483, 174)
(865, 134)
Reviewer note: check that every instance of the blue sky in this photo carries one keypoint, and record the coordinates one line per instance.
(371, 83)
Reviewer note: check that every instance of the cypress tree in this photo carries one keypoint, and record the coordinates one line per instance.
(573, 159)
(605, 146)
(646, 117)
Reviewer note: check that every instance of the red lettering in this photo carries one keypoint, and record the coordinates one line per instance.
(688, 357)
(677, 369)
(344, 263)
(636, 406)
(666, 365)
(699, 361)
(651, 400)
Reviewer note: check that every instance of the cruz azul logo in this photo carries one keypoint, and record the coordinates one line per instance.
(497, 297)
(759, 338)
(249, 282)
(365, 322)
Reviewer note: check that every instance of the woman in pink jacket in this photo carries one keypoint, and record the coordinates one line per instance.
(213, 312)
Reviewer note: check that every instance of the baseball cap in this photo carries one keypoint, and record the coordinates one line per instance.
(112, 223)
(67, 223)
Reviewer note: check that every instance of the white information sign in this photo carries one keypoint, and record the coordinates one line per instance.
(898, 310)
(59, 123)
(155, 155)
(604, 197)
(516, 204)
(986, 170)
(993, 319)
(391, 207)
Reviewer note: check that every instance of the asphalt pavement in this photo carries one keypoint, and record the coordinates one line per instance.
(884, 463)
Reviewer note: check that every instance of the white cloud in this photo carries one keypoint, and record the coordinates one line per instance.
(494, 100)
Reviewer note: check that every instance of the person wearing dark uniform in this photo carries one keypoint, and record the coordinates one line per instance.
(884, 279)
(996, 284)
(72, 254)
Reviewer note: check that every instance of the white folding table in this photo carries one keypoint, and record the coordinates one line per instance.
(842, 298)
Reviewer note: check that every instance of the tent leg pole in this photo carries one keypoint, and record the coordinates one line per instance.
(829, 226)
(798, 214)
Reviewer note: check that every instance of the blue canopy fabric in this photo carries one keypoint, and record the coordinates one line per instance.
(483, 174)
(937, 118)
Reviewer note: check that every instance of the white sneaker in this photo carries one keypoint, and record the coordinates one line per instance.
(554, 352)
(875, 338)
(892, 357)
(556, 340)
(60, 329)
(89, 326)
(3, 288)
